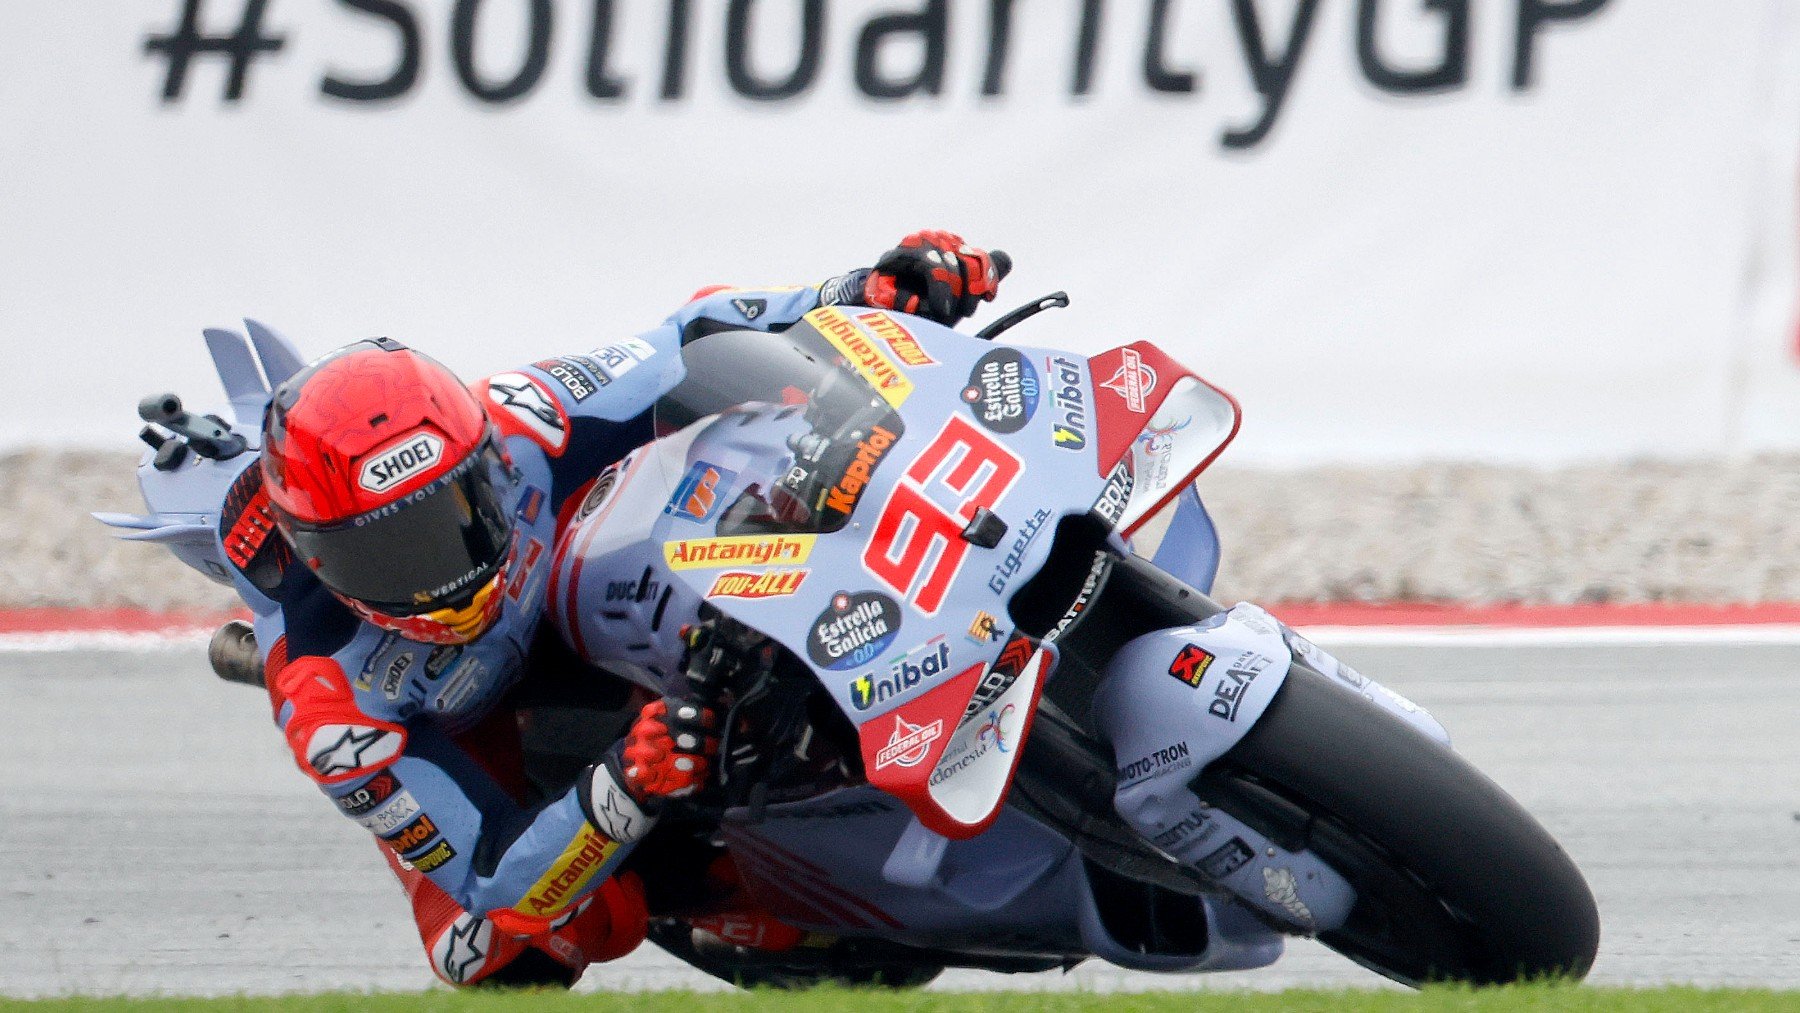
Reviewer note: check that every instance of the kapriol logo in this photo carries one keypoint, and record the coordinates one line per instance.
(908, 743)
(1132, 381)
(409, 456)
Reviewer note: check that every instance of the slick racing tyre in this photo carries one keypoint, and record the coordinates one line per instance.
(1454, 880)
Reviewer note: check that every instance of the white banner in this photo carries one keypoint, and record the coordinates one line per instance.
(1504, 229)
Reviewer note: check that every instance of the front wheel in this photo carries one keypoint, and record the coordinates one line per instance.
(1454, 880)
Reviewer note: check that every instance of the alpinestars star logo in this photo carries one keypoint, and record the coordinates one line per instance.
(464, 954)
(346, 753)
(527, 398)
(612, 818)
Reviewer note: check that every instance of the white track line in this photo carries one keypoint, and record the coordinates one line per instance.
(1532, 636)
(103, 640)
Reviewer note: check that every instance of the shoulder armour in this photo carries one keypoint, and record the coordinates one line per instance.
(522, 406)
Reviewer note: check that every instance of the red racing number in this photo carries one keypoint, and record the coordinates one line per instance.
(917, 547)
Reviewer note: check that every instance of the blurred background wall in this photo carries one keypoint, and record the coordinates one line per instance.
(1505, 230)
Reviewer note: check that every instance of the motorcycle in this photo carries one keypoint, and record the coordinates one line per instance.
(988, 733)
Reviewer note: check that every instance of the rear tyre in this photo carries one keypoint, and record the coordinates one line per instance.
(1454, 880)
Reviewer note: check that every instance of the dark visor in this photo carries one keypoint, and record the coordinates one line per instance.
(433, 549)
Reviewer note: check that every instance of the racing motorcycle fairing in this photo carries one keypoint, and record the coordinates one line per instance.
(844, 862)
(184, 501)
(871, 523)
(1157, 427)
(876, 521)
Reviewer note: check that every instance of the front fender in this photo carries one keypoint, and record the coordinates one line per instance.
(1202, 685)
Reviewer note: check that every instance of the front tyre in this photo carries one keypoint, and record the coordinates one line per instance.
(1454, 880)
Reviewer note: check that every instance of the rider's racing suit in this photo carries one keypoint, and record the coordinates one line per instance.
(400, 734)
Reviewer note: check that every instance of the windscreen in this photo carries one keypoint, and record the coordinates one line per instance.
(846, 432)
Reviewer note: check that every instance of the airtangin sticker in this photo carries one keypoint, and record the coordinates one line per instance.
(865, 356)
(738, 550)
(578, 863)
(854, 630)
(1002, 390)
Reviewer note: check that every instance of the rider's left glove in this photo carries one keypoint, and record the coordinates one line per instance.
(932, 273)
(667, 752)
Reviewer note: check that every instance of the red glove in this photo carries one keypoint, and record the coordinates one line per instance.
(665, 753)
(936, 275)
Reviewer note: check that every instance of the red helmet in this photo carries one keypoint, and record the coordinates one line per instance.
(384, 471)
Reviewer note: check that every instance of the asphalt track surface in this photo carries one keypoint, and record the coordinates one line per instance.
(155, 839)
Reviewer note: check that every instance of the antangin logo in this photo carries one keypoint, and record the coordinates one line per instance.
(737, 550)
(413, 455)
(860, 349)
(571, 871)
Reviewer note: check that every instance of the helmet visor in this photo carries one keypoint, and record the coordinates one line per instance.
(432, 549)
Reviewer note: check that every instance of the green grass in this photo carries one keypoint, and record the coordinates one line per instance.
(1576, 999)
